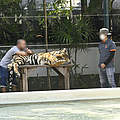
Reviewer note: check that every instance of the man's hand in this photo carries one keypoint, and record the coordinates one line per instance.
(103, 65)
(29, 52)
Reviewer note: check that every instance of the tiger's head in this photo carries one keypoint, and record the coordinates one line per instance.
(62, 55)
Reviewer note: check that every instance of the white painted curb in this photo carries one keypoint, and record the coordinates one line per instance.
(61, 95)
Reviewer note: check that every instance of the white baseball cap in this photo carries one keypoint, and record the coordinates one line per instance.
(104, 31)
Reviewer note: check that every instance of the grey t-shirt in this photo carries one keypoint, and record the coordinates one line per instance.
(7, 59)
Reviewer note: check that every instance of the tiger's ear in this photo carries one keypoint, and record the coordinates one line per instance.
(64, 50)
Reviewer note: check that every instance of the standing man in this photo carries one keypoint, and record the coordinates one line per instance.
(19, 49)
(107, 49)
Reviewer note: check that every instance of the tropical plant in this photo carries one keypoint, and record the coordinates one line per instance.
(67, 32)
(9, 9)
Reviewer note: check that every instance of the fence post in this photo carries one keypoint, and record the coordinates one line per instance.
(106, 13)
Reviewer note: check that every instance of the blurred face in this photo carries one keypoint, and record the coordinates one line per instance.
(22, 45)
(102, 36)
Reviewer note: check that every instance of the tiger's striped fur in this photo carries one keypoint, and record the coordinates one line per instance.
(54, 58)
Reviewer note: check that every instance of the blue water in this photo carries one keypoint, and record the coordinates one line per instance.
(76, 110)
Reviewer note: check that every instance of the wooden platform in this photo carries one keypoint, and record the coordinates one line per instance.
(62, 70)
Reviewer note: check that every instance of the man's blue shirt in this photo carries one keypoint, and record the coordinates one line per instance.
(8, 57)
(104, 49)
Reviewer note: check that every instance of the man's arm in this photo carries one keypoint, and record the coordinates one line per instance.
(109, 59)
(29, 52)
(112, 51)
(24, 53)
(112, 54)
(21, 53)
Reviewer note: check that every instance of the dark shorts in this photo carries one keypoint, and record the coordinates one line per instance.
(4, 77)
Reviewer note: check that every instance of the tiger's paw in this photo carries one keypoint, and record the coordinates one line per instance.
(17, 75)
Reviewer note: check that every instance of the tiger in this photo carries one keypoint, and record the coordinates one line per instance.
(54, 58)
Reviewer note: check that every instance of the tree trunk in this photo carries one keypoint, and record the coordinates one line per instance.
(83, 6)
(45, 23)
(46, 39)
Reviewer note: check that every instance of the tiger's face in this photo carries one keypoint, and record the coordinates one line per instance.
(62, 55)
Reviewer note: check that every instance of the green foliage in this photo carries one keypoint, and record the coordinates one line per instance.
(95, 6)
(8, 8)
(79, 31)
(64, 30)
(59, 8)
(15, 23)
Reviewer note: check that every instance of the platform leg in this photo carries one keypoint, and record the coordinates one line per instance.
(25, 81)
(60, 82)
(66, 79)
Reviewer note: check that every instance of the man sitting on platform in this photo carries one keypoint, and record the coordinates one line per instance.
(19, 49)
